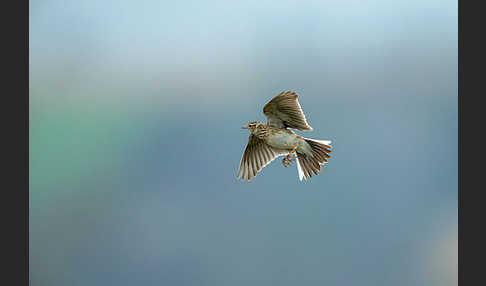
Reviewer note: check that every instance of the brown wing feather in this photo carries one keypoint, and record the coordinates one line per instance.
(284, 111)
(256, 156)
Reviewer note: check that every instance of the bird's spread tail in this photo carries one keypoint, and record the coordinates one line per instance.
(308, 164)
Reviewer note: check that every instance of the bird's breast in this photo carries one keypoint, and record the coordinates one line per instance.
(283, 139)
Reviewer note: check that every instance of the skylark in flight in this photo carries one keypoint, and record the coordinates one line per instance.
(269, 140)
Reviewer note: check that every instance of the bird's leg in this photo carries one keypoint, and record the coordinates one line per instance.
(284, 163)
(288, 159)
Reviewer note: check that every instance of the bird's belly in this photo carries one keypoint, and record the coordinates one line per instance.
(283, 140)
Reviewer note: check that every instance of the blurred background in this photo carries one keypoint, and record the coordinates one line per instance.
(136, 110)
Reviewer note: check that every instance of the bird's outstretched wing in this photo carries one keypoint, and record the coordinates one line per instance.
(284, 111)
(256, 156)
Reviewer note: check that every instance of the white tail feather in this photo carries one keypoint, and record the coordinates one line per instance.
(299, 170)
(310, 158)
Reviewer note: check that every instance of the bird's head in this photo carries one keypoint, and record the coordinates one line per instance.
(251, 126)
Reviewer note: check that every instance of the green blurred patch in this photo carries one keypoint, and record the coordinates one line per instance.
(75, 146)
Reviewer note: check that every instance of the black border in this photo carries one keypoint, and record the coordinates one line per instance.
(16, 136)
(460, 17)
(459, 137)
(15, 142)
(471, 63)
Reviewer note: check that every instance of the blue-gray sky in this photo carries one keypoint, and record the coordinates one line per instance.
(135, 140)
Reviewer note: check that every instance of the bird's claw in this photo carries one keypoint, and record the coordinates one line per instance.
(287, 160)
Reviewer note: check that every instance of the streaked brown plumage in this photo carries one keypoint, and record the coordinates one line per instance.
(272, 139)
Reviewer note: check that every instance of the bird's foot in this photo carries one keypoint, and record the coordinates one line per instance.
(288, 159)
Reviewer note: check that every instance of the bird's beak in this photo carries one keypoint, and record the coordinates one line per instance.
(244, 127)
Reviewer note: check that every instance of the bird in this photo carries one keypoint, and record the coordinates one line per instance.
(274, 138)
